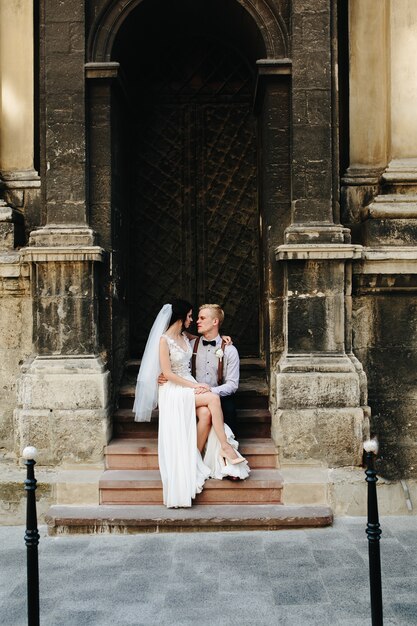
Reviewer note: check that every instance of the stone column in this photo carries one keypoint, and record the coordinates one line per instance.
(369, 105)
(19, 182)
(385, 281)
(63, 396)
(319, 412)
(273, 103)
(380, 185)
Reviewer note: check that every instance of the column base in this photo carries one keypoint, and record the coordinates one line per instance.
(318, 415)
(62, 235)
(63, 409)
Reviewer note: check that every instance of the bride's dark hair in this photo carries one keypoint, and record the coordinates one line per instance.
(180, 310)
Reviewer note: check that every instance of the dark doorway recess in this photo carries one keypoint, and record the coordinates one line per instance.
(193, 155)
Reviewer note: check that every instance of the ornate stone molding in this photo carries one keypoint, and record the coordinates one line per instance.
(20, 179)
(269, 69)
(108, 22)
(63, 254)
(293, 252)
(356, 176)
(387, 260)
(401, 172)
(11, 265)
(391, 206)
(108, 69)
(316, 233)
(316, 362)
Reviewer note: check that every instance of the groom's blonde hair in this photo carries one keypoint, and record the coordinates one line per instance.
(216, 310)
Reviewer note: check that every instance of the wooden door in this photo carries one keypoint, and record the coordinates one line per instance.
(194, 219)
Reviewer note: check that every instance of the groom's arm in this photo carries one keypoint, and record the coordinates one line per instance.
(231, 373)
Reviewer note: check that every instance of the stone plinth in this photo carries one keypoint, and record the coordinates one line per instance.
(318, 413)
(320, 387)
(63, 409)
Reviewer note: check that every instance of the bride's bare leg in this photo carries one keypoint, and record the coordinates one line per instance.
(212, 402)
(203, 426)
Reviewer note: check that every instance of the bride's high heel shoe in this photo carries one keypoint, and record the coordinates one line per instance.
(239, 459)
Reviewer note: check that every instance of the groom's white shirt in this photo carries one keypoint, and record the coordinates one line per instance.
(207, 363)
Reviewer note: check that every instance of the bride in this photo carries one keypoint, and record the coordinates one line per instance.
(182, 468)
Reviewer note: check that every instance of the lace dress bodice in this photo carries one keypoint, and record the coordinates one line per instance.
(180, 359)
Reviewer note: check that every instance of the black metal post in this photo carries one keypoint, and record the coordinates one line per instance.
(373, 532)
(32, 541)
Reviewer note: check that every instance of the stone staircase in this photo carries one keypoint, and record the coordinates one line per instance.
(131, 490)
(132, 475)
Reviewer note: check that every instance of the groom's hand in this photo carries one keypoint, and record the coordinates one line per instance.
(201, 388)
(162, 380)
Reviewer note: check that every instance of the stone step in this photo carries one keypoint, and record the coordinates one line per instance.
(145, 487)
(251, 394)
(157, 518)
(247, 366)
(250, 423)
(142, 454)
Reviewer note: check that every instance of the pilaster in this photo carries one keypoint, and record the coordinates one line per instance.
(320, 411)
(63, 389)
(312, 138)
(63, 117)
(319, 404)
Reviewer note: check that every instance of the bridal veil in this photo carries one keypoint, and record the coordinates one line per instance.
(146, 394)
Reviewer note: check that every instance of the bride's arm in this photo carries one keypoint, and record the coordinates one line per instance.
(166, 368)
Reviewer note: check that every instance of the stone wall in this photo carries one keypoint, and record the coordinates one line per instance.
(379, 205)
(385, 340)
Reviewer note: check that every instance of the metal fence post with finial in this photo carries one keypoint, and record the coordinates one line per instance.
(31, 537)
(373, 532)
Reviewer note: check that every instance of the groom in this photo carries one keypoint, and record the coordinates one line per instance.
(215, 364)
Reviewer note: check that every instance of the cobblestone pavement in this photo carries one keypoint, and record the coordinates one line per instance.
(295, 577)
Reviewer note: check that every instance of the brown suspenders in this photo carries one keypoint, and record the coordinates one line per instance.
(220, 367)
(193, 358)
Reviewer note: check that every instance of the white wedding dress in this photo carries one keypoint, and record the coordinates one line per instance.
(183, 471)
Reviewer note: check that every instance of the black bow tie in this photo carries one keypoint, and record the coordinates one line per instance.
(206, 343)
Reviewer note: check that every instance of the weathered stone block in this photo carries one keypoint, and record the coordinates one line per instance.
(63, 11)
(310, 6)
(307, 324)
(312, 70)
(319, 106)
(315, 276)
(332, 436)
(390, 232)
(317, 389)
(65, 436)
(57, 39)
(318, 179)
(313, 210)
(64, 382)
(315, 142)
(63, 409)
(6, 236)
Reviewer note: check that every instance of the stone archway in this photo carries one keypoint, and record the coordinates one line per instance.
(263, 31)
(266, 15)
